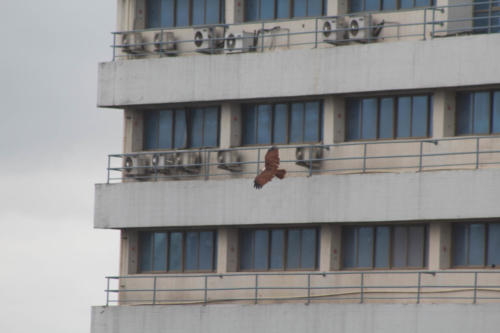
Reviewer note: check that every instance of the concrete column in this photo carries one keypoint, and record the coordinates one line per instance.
(329, 248)
(439, 246)
(128, 252)
(139, 14)
(336, 231)
(338, 119)
(336, 7)
(443, 114)
(227, 250)
(328, 120)
(230, 124)
(234, 11)
(133, 131)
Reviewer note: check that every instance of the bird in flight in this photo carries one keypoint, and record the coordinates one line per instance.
(272, 162)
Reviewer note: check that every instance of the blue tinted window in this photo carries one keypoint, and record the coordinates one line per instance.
(386, 121)
(207, 247)
(314, 7)
(365, 247)
(267, 9)
(293, 253)
(389, 4)
(211, 127)
(283, 10)
(180, 129)
(464, 113)
(175, 252)
(349, 245)
(160, 251)
(167, 13)
(356, 6)
(151, 130)
(196, 128)
(277, 248)
(299, 8)
(153, 10)
(213, 11)
(264, 121)
(165, 129)
(419, 116)
(481, 113)
(353, 119)
(400, 245)
(476, 244)
(493, 244)
(182, 13)
(406, 4)
(404, 117)
(382, 246)
(460, 245)
(252, 10)
(308, 248)
(312, 121)
(146, 251)
(495, 128)
(261, 249)
(246, 249)
(192, 251)
(296, 123)
(369, 118)
(372, 5)
(416, 236)
(198, 12)
(422, 3)
(249, 125)
(280, 123)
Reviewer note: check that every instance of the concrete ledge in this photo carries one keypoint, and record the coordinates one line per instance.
(299, 318)
(345, 69)
(465, 194)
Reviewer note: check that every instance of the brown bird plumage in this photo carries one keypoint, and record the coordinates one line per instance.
(272, 162)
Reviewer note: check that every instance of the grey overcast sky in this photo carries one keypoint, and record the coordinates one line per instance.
(53, 147)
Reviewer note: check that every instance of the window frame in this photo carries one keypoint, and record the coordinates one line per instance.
(221, 14)
(381, 9)
(425, 248)
(491, 99)
(291, 14)
(183, 252)
(285, 249)
(467, 256)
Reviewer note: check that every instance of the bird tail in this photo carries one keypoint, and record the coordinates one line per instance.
(280, 173)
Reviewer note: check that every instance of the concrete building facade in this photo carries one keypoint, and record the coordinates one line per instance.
(386, 115)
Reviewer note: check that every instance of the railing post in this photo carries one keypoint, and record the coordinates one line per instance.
(308, 289)
(154, 290)
(364, 158)
(316, 35)
(114, 46)
(475, 288)
(310, 160)
(207, 165)
(262, 32)
(256, 288)
(109, 166)
(419, 286)
(477, 153)
(107, 291)
(490, 4)
(420, 156)
(425, 22)
(362, 287)
(258, 161)
(205, 297)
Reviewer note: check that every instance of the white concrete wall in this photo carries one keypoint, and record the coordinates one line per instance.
(298, 318)
(346, 69)
(327, 198)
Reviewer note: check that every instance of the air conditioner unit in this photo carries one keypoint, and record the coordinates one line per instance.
(164, 42)
(209, 39)
(360, 28)
(334, 30)
(132, 43)
(165, 163)
(309, 157)
(239, 41)
(190, 162)
(229, 160)
(137, 166)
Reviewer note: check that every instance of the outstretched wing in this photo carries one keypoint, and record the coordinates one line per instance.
(263, 178)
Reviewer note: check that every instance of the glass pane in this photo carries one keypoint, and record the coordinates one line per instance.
(388, 4)
(261, 250)
(356, 6)
(365, 247)
(314, 7)
(348, 247)
(198, 12)
(180, 137)
(422, 3)
(372, 5)
(196, 128)
(299, 8)
(382, 246)
(312, 121)
(246, 249)
(416, 245)
(308, 249)
(369, 118)
(459, 244)
(213, 11)
(280, 123)
(165, 129)
(463, 113)
(481, 113)
(277, 248)
(353, 119)
(252, 10)
(386, 121)
(192, 251)
(283, 10)
(297, 123)
(211, 129)
(175, 252)
(160, 251)
(406, 4)
(264, 124)
(400, 245)
(404, 117)
(293, 250)
(267, 10)
(167, 13)
(431, 115)
(477, 244)
(151, 130)
(207, 248)
(493, 244)
(153, 10)
(419, 116)
(182, 13)
(249, 125)
(145, 251)
(495, 128)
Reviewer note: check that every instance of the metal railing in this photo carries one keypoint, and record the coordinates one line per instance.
(422, 23)
(350, 157)
(353, 286)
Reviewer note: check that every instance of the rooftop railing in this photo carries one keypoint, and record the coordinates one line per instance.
(421, 23)
(351, 157)
(347, 287)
